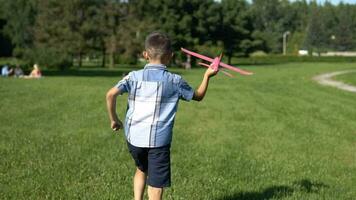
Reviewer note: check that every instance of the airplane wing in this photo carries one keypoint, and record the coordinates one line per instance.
(243, 72)
(197, 55)
(223, 71)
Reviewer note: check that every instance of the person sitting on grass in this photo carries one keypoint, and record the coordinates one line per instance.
(153, 95)
(5, 70)
(35, 73)
(18, 72)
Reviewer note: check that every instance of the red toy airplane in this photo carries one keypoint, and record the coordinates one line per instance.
(215, 63)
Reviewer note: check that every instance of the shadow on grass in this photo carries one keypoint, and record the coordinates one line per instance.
(307, 186)
(278, 192)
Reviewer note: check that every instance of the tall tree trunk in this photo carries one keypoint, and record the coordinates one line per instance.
(112, 60)
(80, 60)
(73, 60)
(112, 50)
(188, 64)
(103, 61)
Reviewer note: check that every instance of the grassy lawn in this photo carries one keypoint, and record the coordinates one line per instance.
(274, 135)
(349, 78)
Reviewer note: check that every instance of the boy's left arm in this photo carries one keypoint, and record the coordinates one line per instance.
(111, 95)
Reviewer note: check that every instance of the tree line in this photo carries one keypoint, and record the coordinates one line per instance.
(56, 33)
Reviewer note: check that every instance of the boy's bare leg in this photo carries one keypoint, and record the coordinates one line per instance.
(154, 193)
(139, 184)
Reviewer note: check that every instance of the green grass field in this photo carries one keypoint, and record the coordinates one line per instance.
(349, 78)
(274, 135)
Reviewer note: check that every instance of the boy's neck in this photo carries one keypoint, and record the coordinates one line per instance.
(156, 62)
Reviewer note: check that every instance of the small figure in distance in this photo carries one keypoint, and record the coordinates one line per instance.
(5, 70)
(18, 72)
(35, 73)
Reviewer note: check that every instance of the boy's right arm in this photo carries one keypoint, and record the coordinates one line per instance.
(111, 95)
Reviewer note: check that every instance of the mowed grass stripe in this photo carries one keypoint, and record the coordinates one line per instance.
(349, 78)
(276, 134)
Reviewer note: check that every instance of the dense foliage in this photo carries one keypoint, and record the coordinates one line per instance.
(57, 33)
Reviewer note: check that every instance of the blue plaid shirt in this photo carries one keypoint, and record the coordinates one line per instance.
(152, 104)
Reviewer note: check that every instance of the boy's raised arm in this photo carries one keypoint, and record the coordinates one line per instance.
(111, 95)
(200, 92)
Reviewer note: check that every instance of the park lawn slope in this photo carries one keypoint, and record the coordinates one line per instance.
(349, 78)
(274, 135)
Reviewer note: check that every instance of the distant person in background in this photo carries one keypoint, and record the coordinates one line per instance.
(18, 71)
(11, 71)
(35, 73)
(5, 70)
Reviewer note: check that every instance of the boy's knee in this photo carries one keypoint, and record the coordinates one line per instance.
(155, 193)
(138, 170)
(140, 173)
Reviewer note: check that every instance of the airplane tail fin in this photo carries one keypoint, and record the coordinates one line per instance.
(227, 73)
(223, 71)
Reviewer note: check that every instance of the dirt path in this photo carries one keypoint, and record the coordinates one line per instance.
(326, 79)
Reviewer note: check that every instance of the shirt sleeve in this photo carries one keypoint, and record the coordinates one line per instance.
(124, 85)
(185, 91)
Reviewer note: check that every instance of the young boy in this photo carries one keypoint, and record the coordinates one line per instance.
(153, 95)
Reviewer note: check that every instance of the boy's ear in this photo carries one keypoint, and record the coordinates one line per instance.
(145, 54)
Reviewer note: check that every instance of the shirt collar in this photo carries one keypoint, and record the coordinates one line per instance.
(156, 66)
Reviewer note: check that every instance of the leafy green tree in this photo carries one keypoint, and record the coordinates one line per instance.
(58, 32)
(5, 44)
(344, 28)
(268, 24)
(190, 23)
(113, 15)
(298, 12)
(353, 9)
(235, 29)
(19, 16)
(329, 17)
(67, 28)
(317, 38)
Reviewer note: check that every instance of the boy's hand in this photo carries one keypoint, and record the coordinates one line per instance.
(116, 125)
(210, 72)
(200, 92)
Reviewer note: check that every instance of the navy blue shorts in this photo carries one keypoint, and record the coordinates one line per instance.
(155, 162)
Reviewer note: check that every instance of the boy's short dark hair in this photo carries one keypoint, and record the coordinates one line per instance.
(157, 45)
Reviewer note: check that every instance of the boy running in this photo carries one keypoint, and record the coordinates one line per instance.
(153, 95)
